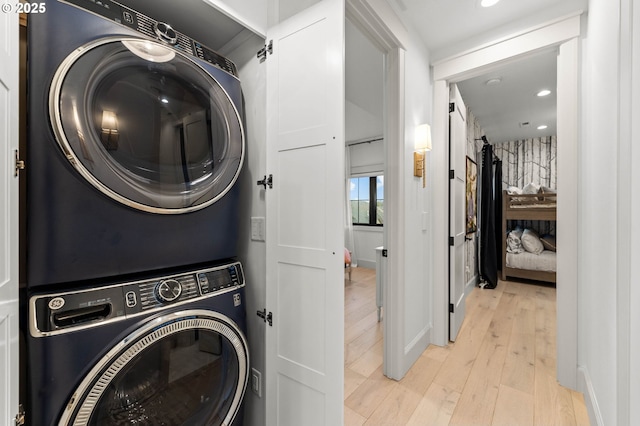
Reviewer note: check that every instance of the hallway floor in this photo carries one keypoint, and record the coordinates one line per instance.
(500, 370)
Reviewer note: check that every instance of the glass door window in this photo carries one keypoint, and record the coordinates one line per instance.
(190, 371)
(146, 125)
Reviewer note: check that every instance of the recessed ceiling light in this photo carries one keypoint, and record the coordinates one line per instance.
(164, 100)
(542, 127)
(545, 92)
(493, 81)
(488, 3)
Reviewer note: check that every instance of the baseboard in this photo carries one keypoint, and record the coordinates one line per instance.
(586, 387)
(416, 347)
(371, 264)
(473, 282)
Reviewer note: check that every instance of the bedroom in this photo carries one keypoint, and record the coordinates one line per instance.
(519, 123)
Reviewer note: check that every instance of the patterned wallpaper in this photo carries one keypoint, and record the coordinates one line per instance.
(523, 162)
(528, 161)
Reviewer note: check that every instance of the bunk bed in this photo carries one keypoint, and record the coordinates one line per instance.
(528, 207)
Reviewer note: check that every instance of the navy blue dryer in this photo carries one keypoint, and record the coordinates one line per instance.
(160, 351)
(135, 143)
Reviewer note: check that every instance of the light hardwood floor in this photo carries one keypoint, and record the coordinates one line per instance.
(500, 370)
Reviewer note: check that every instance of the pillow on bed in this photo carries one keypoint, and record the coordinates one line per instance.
(514, 190)
(531, 188)
(548, 242)
(514, 241)
(531, 242)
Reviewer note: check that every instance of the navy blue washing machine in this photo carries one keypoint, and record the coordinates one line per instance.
(135, 142)
(169, 350)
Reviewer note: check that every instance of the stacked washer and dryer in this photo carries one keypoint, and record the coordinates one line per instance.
(134, 299)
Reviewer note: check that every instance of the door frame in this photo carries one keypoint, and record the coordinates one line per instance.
(378, 21)
(563, 35)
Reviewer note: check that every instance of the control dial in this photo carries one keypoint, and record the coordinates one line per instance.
(168, 290)
(166, 33)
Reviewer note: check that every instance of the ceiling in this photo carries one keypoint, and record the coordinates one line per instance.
(446, 27)
(451, 26)
(510, 109)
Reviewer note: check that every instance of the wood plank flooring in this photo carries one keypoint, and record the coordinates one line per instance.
(500, 371)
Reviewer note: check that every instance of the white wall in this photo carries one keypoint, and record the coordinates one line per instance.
(360, 123)
(252, 254)
(597, 204)
(608, 186)
(366, 239)
(634, 212)
(251, 14)
(417, 262)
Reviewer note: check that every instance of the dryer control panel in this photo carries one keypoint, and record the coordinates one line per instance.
(156, 30)
(61, 312)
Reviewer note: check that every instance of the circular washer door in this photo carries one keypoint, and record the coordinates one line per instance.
(146, 125)
(186, 368)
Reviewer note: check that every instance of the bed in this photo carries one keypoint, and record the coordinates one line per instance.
(537, 264)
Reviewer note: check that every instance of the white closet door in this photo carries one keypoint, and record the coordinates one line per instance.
(457, 190)
(305, 238)
(9, 61)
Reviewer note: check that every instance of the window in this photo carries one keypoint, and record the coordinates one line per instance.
(367, 200)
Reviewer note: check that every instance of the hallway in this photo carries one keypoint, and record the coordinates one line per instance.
(500, 371)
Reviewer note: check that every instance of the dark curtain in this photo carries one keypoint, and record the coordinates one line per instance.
(497, 185)
(488, 247)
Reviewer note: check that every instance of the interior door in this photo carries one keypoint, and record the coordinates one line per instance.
(305, 239)
(9, 60)
(457, 189)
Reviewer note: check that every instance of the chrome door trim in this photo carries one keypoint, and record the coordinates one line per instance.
(84, 399)
(61, 139)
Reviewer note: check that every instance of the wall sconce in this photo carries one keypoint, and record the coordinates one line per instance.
(109, 135)
(422, 145)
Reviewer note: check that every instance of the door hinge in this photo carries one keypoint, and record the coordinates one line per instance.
(385, 253)
(262, 53)
(452, 241)
(266, 181)
(20, 418)
(19, 164)
(266, 317)
(452, 174)
(452, 106)
(451, 308)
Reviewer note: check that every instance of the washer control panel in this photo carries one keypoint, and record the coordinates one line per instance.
(69, 310)
(155, 293)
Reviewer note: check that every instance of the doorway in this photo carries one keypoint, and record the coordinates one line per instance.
(365, 206)
(563, 34)
(507, 110)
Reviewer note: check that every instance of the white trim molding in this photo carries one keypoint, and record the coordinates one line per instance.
(562, 34)
(376, 19)
(586, 387)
